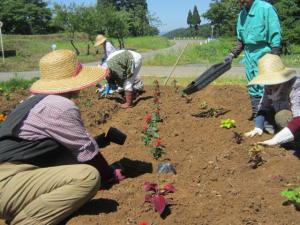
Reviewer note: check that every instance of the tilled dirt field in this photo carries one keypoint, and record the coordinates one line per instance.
(214, 181)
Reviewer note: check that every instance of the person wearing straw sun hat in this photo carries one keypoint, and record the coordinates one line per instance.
(49, 164)
(258, 32)
(108, 47)
(280, 102)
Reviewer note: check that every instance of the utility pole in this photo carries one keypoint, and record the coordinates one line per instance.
(212, 31)
(1, 41)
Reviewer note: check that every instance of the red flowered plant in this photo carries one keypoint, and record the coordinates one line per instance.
(157, 195)
(143, 223)
(158, 149)
(156, 115)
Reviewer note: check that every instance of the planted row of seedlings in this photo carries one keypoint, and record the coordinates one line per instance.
(156, 195)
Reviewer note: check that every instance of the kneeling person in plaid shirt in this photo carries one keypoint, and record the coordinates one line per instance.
(49, 164)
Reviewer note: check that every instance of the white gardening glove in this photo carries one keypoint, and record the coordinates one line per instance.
(255, 131)
(285, 135)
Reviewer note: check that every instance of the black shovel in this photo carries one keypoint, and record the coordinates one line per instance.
(207, 77)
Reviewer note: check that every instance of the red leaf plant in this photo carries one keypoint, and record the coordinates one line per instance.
(157, 195)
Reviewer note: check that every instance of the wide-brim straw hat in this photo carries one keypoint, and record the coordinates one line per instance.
(99, 40)
(272, 71)
(60, 72)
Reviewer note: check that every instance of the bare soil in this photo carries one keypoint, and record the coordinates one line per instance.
(214, 181)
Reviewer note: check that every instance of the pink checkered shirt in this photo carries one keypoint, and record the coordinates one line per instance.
(59, 118)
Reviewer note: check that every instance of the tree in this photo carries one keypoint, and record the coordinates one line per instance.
(139, 18)
(89, 23)
(25, 16)
(223, 14)
(115, 23)
(196, 18)
(289, 15)
(66, 18)
(189, 19)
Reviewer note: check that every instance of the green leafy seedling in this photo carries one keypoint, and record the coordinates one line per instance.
(227, 123)
(293, 196)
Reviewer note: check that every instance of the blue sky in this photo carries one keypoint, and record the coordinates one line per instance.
(172, 13)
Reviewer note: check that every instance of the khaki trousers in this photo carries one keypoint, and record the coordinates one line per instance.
(30, 195)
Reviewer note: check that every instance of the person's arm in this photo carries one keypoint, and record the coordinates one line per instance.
(274, 31)
(239, 47)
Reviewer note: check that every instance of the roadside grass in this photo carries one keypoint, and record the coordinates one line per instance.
(142, 44)
(16, 83)
(211, 53)
(30, 48)
(184, 81)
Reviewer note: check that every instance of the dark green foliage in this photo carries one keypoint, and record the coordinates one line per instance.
(289, 15)
(196, 18)
(223, 14)
(203, 31)
(25, 16)
(189, 19)
(139, 21)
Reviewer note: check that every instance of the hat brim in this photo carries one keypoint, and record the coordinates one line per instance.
(87, 77)
(99, 42)
(274, 78)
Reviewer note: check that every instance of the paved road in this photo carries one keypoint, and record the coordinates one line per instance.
(185, 70)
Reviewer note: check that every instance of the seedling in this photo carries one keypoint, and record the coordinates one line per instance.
(174, 84)
(187, 98)
(158, 149)
(89, 103)
(256, 158)
(227, 123)
(238, 137)
(157, 195)
(211, 113)
(156, 115)
(293, 196)
(203, 105)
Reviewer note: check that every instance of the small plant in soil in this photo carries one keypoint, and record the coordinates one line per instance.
(203, 105)
(174, 85)
(156, 115)
(227, 123)
(158, 149)
(293, 196)
(256, 158)
(157, 196)
(89, 103)
(238, 137)
(2, 117)
(214, 113)
(149, 129)
(187, 98)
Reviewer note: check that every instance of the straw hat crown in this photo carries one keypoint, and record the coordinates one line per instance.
(100, 40)
(60, 72)
(272, 71)
(60, 64)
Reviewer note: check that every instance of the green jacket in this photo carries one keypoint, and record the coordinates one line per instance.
(121, 67)
(259, 30)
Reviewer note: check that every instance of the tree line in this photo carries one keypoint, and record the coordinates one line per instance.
(118, 19)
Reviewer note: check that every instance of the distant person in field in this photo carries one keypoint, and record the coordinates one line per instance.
(281, 100)
(108, 47)
(49, 164)
(258, 32)
(124, 67)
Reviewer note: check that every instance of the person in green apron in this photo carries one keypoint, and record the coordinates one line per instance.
(258, 32)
